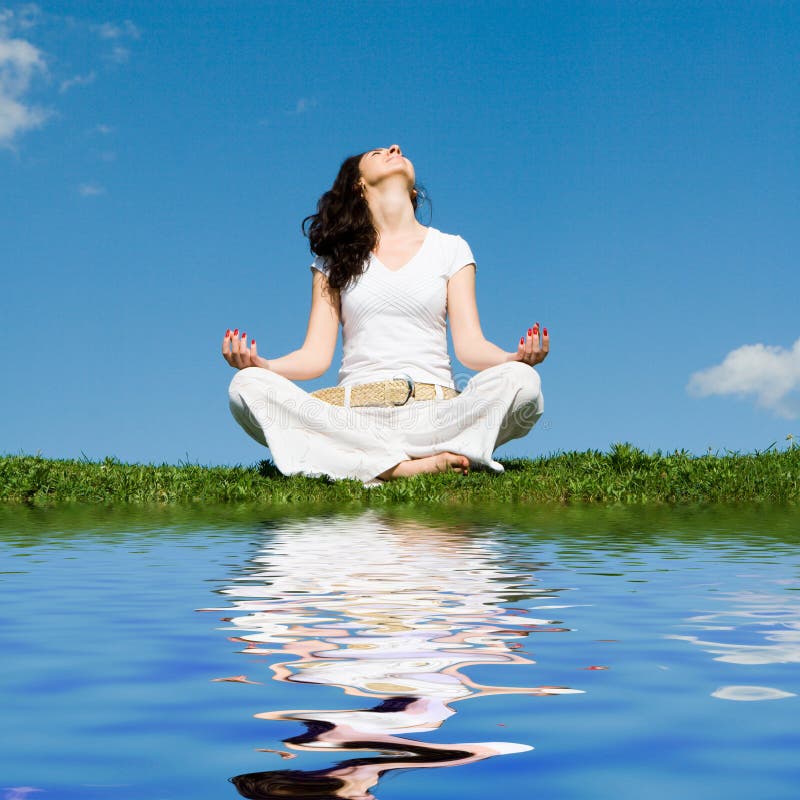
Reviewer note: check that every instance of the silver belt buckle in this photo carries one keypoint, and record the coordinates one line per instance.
(410, 382)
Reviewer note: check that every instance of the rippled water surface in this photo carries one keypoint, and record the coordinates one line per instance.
(497, 653)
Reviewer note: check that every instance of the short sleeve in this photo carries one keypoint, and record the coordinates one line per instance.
(462, 255)
(319, 264)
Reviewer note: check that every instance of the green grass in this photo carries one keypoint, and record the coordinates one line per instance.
(624, 475)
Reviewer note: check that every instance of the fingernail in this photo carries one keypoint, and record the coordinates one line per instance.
(545, 331)
(522, 340)
(227, 333)
(535, 329)
(244, 335)
(236, 332)
(529, 331)
(252, 341)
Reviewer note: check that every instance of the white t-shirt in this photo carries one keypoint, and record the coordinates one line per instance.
(394, 322)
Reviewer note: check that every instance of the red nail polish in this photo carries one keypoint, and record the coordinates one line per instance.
(522, 340)
(244, 335)
(227, 333)
(252, 341)
(236, 332)
(529, 331)
(545, 331)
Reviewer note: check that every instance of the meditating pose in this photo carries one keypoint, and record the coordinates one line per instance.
(392, 284)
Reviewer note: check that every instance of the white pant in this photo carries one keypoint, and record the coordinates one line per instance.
(309, 436)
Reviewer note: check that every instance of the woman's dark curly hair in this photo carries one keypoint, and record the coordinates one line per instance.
(319, 784)
(342, 231)
(280, 784)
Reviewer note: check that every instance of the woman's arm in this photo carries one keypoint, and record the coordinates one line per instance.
(314, 357)
(472, 348)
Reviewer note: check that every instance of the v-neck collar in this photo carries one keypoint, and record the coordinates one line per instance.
(410, 260)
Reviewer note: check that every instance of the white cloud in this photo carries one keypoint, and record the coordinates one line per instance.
(90, 189)
(78, 80)
(103, 129)
(21, 18)
(26, 16)
(120, 54)
(108, 30)
(768, 373)
(118, 35)
(305, 104)
(20, 62)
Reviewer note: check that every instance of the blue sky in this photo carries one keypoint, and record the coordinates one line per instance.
(627, 173)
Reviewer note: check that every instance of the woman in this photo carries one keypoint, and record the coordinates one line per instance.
(391, 283)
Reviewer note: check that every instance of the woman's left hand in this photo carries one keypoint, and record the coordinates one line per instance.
(531, 349)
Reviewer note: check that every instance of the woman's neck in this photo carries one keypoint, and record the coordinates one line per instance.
(392, 212)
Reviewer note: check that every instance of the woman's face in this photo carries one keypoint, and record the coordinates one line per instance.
(377, 164)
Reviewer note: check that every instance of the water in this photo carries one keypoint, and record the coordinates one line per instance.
(571, 653)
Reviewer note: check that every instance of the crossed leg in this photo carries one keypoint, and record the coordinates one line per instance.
(440, 462)
(524, 404)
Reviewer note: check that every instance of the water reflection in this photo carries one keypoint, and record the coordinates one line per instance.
(753, 628)
(392, 612)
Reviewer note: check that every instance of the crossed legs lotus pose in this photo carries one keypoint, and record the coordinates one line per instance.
(440, 462)
(366, 230)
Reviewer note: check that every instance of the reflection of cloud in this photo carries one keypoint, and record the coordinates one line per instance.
(770, 617)
(750, 693)
(769, 373)
(19, 792)
(388, 611)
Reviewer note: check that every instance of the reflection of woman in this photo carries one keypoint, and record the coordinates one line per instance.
(392, 283)
(352, 779)
(403, 612)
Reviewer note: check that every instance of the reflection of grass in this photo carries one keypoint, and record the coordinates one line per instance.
(623, 475)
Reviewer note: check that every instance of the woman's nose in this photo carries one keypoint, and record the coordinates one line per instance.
(395, 148)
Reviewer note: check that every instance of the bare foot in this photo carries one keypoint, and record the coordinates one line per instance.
(441, 462)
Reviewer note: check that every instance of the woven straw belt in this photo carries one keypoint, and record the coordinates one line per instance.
(396, 392)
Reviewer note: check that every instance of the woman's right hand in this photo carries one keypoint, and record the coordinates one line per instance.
(238, 354)
(529, 350)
